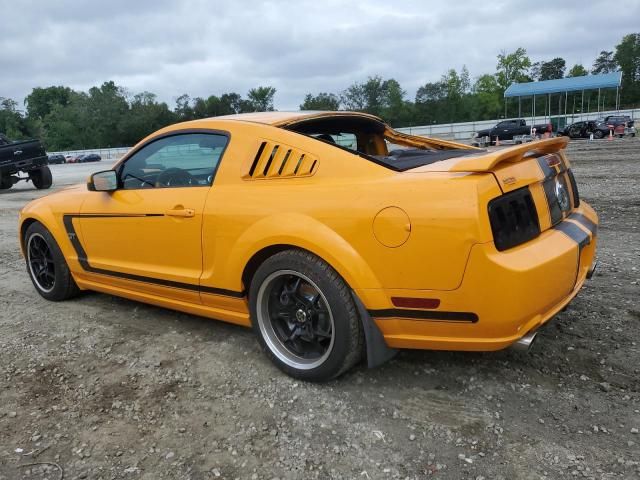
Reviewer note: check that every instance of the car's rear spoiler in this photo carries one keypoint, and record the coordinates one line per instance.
(513, 154)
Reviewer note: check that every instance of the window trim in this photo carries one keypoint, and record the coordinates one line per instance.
(175, 133)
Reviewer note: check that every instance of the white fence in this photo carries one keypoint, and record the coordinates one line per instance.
(105, 153)
(448, 131)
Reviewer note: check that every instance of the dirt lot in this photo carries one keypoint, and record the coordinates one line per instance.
(109, 388)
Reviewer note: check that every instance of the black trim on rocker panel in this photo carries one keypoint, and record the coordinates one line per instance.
(437, 315)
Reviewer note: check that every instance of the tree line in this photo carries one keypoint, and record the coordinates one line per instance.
(108, 116)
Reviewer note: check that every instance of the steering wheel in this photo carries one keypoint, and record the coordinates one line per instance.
(175, 177)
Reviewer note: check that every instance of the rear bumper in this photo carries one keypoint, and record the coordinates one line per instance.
(503, 295)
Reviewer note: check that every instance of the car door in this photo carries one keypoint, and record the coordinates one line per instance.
(147, 234)
(505, 130)
(576, 130)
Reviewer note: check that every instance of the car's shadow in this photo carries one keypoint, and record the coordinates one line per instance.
(411, 365)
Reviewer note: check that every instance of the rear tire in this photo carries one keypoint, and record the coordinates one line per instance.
(47, 266)
(304, 316)
(598, 134)
(41, 178)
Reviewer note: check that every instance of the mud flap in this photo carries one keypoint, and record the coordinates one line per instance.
(377, 350)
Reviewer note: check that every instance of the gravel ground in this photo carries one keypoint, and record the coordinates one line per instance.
(108, 388)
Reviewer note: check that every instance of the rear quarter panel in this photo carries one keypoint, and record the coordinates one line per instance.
(331, 214)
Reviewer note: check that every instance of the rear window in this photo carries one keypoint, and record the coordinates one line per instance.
(369, 138)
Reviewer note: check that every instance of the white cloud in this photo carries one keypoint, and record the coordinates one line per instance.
(202, 48)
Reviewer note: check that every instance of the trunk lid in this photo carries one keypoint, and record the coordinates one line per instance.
(538, 188)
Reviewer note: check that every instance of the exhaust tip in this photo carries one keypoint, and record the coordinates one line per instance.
(524, 344)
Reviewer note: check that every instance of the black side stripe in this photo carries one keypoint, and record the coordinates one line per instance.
(84, 263)
(437, 315)
(575, 233)
(585, 222)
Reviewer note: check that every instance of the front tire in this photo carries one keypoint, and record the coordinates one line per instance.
(41, 178)
(598, 134)
(47, 266)
(304, 316)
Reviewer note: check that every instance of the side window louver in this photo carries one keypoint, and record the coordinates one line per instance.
(274, 160)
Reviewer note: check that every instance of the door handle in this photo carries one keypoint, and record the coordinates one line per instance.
(181, 212)
(18, 152)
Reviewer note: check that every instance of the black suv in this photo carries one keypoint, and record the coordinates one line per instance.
(57, 158)
(91, 157)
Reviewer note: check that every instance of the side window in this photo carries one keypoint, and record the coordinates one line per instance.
(182, 160)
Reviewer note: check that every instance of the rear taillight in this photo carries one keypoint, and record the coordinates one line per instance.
(574, 189)
(514, 219)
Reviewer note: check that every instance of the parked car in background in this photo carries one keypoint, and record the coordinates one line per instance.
(70, 158)
(23, 156)
(617, 120)
(585, 129)
(508, 129)
(620, 125)
(57, 158)
(91, 157)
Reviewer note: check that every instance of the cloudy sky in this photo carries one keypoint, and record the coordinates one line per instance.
(204, 47)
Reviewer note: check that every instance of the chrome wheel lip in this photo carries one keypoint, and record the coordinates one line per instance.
(34, 277)
(276, 346)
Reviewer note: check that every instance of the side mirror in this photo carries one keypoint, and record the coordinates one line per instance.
(105, 181)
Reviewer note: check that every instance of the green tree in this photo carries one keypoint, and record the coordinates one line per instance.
(487, 98)
(107, 106)
(384, 98)
(627, 56)
(260, 99)
(183, 109)
(605, 63)
(70, 126)
(429, 101)
(577, 71)
(552, 69)
(365, 97)
(395, 109)
(322, 101)
(431, 91)
(145, 116)
(41, 100)
(230, 103)
(12, 124)
(512, 68)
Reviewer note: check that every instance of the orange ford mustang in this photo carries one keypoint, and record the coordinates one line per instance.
(332, 235)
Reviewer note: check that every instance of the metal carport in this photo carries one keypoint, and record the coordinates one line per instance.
(563, 85)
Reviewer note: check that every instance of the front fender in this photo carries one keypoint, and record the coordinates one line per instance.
(49, 211)
(304, 232)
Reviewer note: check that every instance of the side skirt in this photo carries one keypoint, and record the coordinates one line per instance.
(229, 316)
